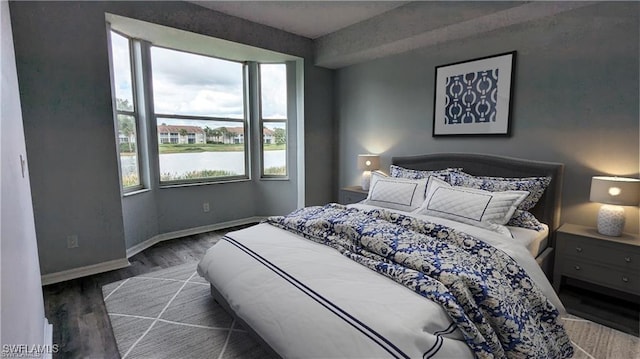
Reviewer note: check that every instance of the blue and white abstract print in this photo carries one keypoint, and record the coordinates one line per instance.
(471, 97)
(498, 308)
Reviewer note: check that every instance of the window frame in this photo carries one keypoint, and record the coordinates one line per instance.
(262, 121)
(135, 113)
(147, 136)
(157, 118)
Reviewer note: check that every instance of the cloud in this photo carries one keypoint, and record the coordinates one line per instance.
(190, 84)
(273, 80)
(181, 68)
(197, 100)
(121, 67)
(197, 85)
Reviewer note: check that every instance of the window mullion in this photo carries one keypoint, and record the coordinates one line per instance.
(248, 118)
(252, 117)
(144, 95)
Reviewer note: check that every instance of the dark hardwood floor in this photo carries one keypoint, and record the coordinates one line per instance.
(76, 309)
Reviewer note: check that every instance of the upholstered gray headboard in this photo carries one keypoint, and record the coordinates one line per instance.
(548, 208)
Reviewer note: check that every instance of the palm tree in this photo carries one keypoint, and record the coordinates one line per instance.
(216, 133)
(183, 132)
(208, 133)
(280, 135)
(123, 105)
(225, 133)
(127, 128)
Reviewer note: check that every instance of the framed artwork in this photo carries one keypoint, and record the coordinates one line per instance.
(473, 97)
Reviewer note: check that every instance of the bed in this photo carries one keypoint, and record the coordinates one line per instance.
(357, 281)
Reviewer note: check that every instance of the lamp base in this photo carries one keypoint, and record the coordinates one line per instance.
(611, 220)
(366, 180)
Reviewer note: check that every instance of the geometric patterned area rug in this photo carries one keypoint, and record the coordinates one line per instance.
(171, 314)
(594, 341)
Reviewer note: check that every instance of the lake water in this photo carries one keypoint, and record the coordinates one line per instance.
(178, 163)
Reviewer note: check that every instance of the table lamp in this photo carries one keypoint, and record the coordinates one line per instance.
(367, 163)
(614, 192)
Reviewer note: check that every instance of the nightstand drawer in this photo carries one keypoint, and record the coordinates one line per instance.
(626, 281)
(352, 194)
(347, 198)
(596, 250)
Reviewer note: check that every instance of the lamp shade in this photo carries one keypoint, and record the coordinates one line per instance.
(368, 162)
(619, 191)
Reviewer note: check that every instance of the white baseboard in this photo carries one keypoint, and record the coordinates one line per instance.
(188, 232)
(124, 262)
(84, 271)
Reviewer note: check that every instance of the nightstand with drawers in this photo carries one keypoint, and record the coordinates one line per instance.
(608, 262)
(352, 194)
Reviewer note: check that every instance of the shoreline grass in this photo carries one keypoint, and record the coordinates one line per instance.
(208, 147)
(211, 147)
(201, 174)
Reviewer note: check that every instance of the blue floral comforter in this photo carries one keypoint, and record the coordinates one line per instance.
(498, 308)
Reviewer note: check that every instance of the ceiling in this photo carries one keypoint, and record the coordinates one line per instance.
(311, 19)
(350, 32)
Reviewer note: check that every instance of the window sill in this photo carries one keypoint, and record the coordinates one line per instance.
(180, 185)
(136, 192)
(275, 178)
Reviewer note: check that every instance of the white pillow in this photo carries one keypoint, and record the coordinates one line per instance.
(395, 193)
(484, 209)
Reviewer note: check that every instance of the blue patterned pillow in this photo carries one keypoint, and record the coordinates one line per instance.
(401, 172)
(534, 185)
(524, 219)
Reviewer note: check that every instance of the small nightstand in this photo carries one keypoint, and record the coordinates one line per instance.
(610, 262)
(352, 194)
(598, 277)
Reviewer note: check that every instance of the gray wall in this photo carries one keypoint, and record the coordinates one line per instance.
(61, 50)
(22, 309)
(576, 101)
(321, 140)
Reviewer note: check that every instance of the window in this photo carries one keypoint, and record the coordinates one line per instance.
(199, 105)
(126, 113)
(193, 109)
(273, 119)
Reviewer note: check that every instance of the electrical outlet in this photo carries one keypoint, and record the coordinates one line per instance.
(205, 207)
(72, 241)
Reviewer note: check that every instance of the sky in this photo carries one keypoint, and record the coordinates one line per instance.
(190, 84)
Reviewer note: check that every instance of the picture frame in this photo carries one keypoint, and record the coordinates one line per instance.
(474, 97)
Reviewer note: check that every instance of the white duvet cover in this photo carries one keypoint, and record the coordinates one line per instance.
(306, 300)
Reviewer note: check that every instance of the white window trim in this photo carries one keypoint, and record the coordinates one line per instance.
(135, 113)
